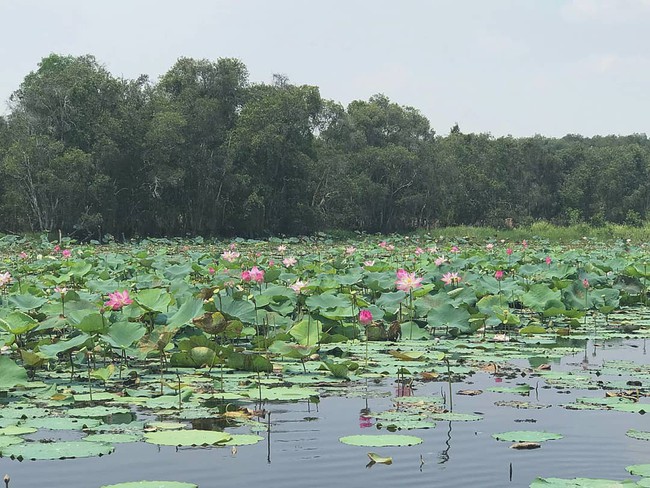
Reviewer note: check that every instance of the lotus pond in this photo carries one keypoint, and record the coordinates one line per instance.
(397, 362)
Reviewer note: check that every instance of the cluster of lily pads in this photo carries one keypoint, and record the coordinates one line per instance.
(93, 338)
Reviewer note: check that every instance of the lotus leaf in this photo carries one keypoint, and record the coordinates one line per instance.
(381, 440)
(526, 436)
(192, 437)
(36, 451)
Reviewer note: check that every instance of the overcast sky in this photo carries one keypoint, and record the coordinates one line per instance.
(519, 67)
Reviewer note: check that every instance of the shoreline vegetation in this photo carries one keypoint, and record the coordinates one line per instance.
(205, 151)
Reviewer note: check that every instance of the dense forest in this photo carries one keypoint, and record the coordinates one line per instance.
(203, 151)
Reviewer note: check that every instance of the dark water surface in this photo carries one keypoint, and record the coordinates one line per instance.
(307, 453)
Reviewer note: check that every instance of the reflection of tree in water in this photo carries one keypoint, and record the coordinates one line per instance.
(444, 454)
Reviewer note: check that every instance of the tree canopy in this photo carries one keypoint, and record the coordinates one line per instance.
(203, 151)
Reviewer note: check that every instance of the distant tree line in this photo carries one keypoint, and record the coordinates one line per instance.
(203, 151)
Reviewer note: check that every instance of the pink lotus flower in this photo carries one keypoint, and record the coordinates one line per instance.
(118, 299)
(382, 244)
(585, 283)
(230, 256)
(419, 251)
(449, 278)
(57, 248)
(23, 255)
(282, 248)
(66, 253)
(290, 261)
(509, 251)
(365, 317)
(298, 286)
(350, 250)
(524, 243)
(498, 275)
(390, 247)
(211, 270)
(548, 260)
(5, 278)
(489, 246)
(232, 246)
(246, 276)
(257, 274)
(454, 249)
(271, 263)
(369, 262)
(62, 290)
(440, 261)
(407, 281)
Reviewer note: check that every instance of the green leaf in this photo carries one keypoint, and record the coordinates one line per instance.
(11, 374)
(152, 484)
(238, 309)
(381, 440)
(18, 323)
(376, 458)
(193, 437)
(56, 450)
(639, 469)
(26, 302)
(153, 299)
(307, 332)
(192, 308)
(52, 350)
(123, 334)
(526, 436)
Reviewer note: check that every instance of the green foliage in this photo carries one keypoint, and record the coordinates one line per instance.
(205, 152)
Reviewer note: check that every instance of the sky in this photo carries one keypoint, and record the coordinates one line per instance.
(504, 67)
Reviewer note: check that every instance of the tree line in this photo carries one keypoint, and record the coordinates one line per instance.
(203, 151)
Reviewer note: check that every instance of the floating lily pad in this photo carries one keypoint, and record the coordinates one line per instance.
(381, 440)
(639, 469)
(526, 436)
(459, 417)
(37, 451)
(62, 423)
(406, 424)
(9, 440)
(152, 484)
(116, 438)
(96, 412)
(283, 393)
(637, 434)
(17, 430)
(192, 437)
(243, 440)
(167, 425)
(580, 483)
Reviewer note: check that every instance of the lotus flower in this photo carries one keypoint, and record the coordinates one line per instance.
(230, 256)
(498, 275)
(5, 278)
(66, 253)
(298, 286)
(449, 278)
(290, 261)
(118, 299)
(407, 281)
(257, 274)
(365, 317)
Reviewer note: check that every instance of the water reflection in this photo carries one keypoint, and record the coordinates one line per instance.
(444, 455)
